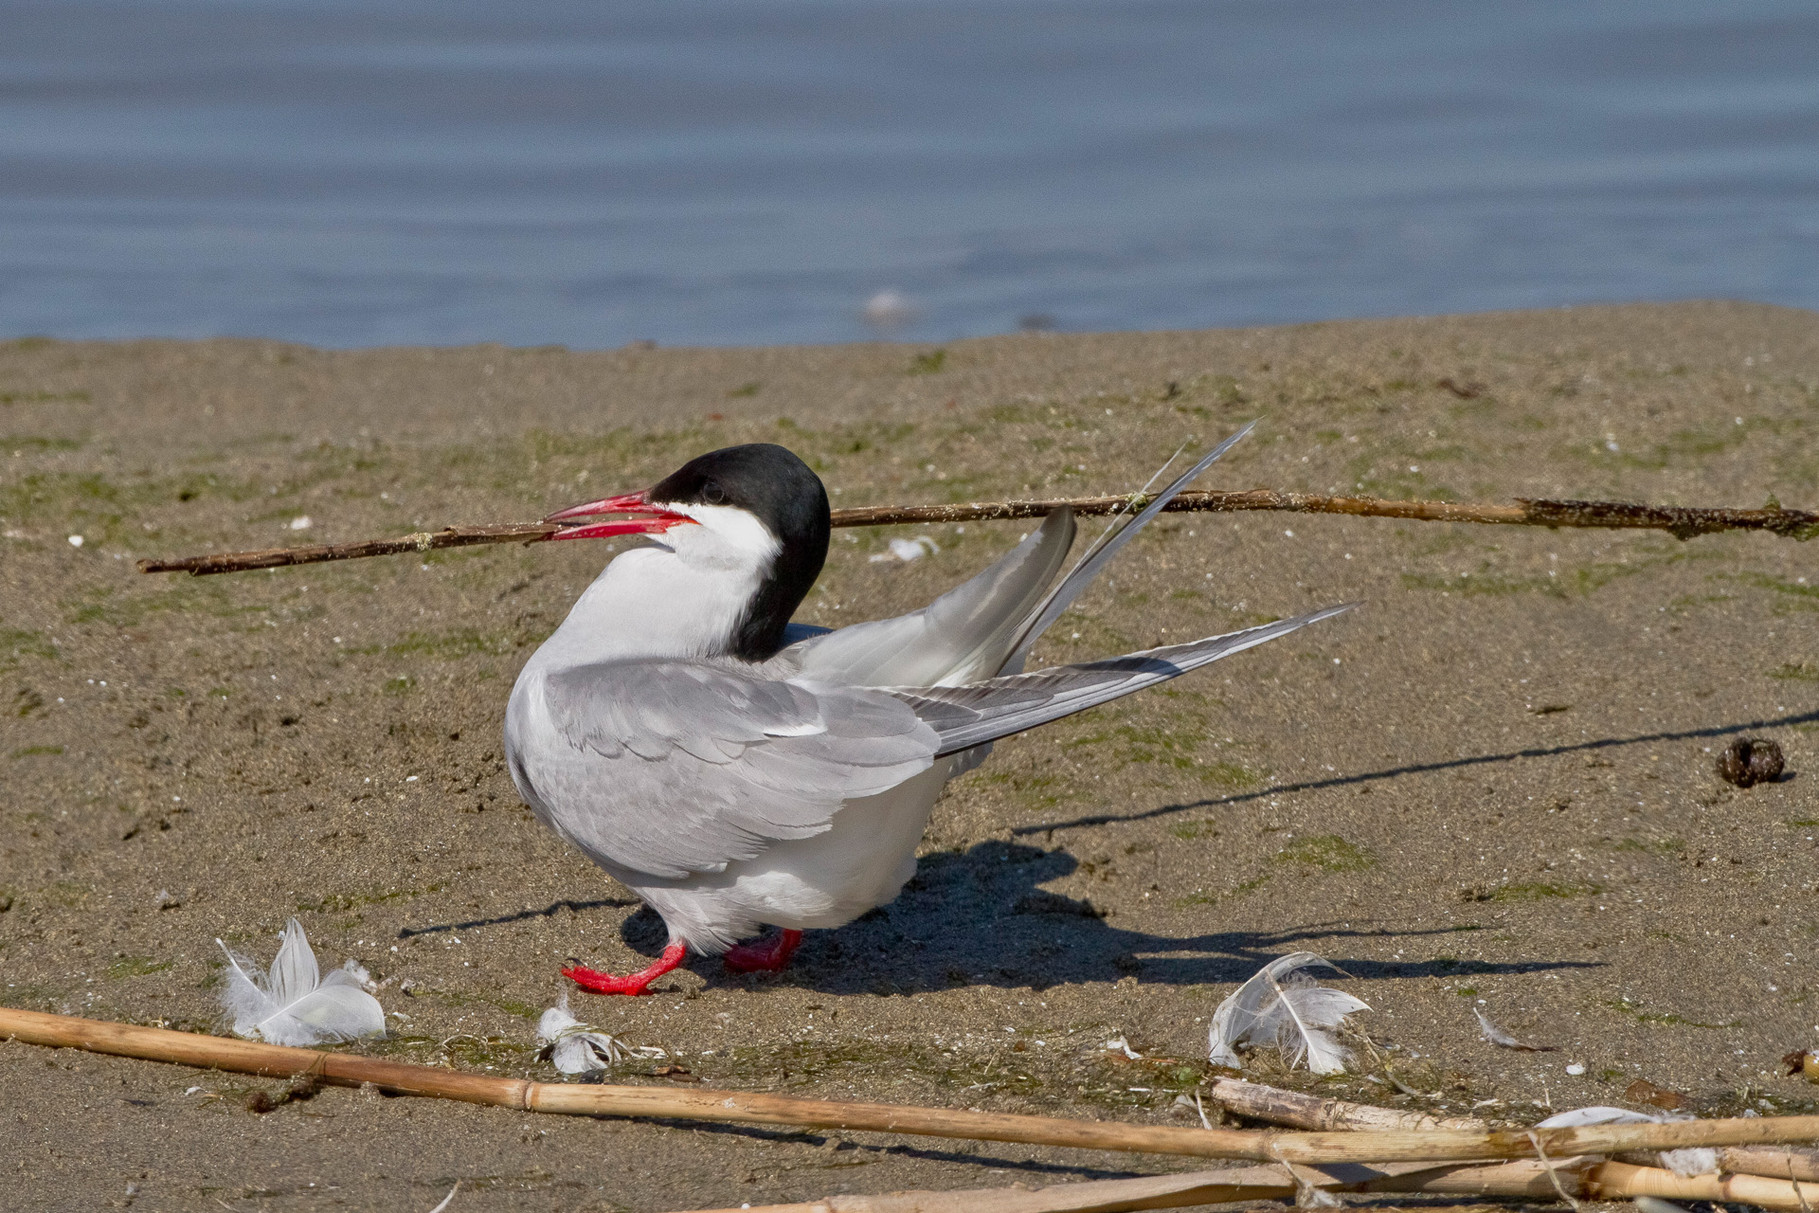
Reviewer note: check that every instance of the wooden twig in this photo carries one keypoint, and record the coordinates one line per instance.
(318, 553)
(1298, 1111)
(341, 1069)
(1581, 1178)
(1684, 522)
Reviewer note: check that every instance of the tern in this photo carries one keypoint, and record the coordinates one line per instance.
(737, 770)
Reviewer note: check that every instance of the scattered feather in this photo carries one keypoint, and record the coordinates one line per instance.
(1200, 1109)
(577, 1048)
(294, 1004)
(1307, 1196)
(1579, 1118)
(1696, 1160)
(907, 550)
(1503, 1040)
(1288, 1010)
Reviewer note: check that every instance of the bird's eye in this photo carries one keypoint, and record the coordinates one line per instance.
(712, 493)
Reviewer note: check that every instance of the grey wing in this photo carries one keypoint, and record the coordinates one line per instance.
(961, 637)
(673, 767)
(968, 716)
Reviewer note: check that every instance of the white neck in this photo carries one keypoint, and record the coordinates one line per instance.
(681, 597)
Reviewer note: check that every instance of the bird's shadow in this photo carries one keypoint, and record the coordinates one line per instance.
(982, 918)
(500, 920)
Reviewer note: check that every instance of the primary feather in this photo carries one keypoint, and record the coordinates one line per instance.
(965, 635)
(1101, 553)
(967, 716)
(294, 1004)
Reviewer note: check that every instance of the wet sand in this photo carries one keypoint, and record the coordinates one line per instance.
(1491, 787)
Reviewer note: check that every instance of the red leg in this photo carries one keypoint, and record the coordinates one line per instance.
(770, 955)
(635, 983)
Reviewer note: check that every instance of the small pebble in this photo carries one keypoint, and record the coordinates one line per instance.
(1749, 761)
(1576, 1068)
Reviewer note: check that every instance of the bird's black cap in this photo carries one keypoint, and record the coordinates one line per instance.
(773, 485)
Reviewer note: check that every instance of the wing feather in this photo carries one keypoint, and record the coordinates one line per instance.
(1101, 553)
(962, 636)
(971, 715)
(673, 767)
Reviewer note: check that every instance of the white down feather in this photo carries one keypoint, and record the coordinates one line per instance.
(294, 1004)
(1694, 1160)
(574, 1047)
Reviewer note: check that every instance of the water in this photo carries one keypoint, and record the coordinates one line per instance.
(362, 172)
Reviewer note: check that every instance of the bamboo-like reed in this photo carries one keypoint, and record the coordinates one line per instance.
(1267, 1145)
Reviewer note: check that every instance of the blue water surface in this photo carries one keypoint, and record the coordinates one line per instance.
(588, 172)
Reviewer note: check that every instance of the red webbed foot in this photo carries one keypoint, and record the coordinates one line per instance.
(632, 983)
(771, 955)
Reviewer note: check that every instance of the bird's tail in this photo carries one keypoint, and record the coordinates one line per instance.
(967, 716)
(1097, 556)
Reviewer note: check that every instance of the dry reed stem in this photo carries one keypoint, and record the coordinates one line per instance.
(1779, 1162)
(1299, 1111)
(1294, 1109)
(1622, 1181)
(1582, 1178)
(341, 1069)
(1682, 521)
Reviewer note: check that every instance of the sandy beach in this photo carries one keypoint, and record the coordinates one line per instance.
(1489, 788)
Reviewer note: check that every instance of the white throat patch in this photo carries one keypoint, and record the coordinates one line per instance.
(727, 537)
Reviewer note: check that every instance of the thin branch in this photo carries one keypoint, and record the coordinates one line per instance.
(1683, 522)
(317, 553)
(1311, 1149)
